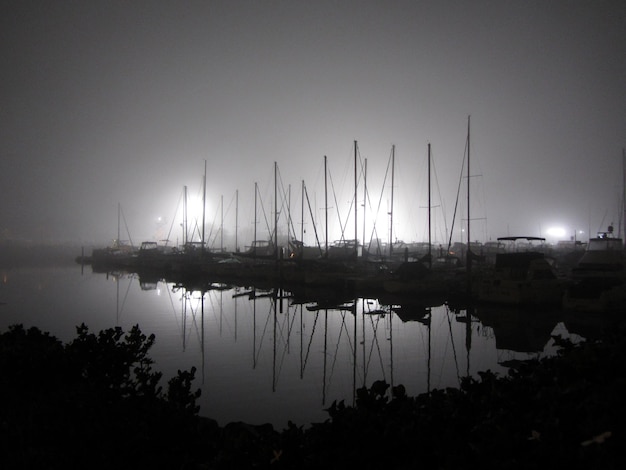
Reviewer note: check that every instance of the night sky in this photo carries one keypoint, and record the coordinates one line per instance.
(121, 102)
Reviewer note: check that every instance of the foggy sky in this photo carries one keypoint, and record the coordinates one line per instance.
(111, 102)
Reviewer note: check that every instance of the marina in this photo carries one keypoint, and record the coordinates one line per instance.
(265, 354)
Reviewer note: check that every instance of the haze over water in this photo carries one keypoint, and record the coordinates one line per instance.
(117, 102)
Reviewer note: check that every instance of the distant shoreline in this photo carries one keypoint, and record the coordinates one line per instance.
(15, 254)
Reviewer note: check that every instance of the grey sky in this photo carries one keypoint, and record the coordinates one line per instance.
(110, 101)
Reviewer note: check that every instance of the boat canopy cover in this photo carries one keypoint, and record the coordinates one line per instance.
(540, 239)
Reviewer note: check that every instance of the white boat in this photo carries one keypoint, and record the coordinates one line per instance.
(599, 277)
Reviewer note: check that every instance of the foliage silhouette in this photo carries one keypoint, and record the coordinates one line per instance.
(97, 403)
(94, 398)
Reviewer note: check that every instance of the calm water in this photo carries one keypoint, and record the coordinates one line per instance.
(260, 359)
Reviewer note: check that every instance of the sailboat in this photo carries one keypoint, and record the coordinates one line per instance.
(419, 277)
(259, 250)
(118, 255)
(298, 251)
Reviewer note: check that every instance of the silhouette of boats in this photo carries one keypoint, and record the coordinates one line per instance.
(599, 276)
(520, 277)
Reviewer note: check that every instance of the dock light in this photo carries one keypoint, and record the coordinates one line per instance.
(556, 232)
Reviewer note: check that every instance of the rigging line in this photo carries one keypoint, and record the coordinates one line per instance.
(421, 332)
(183, 317)
(212, 226)
(374, 339)
(286, 347)
(332, 367)
(267, 224)
(377, 343)
(293, 321)
(374, 229)
(308, 349)
(213, 303)
(285, 205)
(444, 354)
(126, 225)
(301, 339)
(230, 204)
(343, 326)
(169, 234)
(258, 353)
(171, 303)
(456, 362)
(282, 357)
(445, 219)
(342, 227)
(259, 198)
(319, 245)
(380, 355)
(363, 341)
(281, 331)
(352, 200)
(456, 205)
(279, 183)
(366, 363)
(196, 228)
(367, 203)
(187, 307)
(125, 296)
(196, 219)
(380, 200)
(194, 322)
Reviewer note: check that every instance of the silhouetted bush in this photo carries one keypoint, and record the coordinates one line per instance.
(94, 402)
(97, 403)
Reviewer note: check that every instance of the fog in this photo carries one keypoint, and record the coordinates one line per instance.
(107, 103)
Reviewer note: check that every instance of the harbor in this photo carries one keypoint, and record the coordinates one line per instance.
(526, 271)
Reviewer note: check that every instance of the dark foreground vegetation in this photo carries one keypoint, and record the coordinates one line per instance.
(96, 402)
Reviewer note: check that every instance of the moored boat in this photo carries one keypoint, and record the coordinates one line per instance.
(599, 278)
(521, 277)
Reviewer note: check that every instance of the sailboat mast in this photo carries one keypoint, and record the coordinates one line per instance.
(469, 238)
(185, 228)
(203, 206)
(256, 190)
(119, 212)
(275, 210)
(236, 220)
(302, 216)
(364, 198)
(288, 218)
(356, 244)
(326, 203)
(430, 259)
(393, 160)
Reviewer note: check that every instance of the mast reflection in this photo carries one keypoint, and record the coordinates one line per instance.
(295, 345)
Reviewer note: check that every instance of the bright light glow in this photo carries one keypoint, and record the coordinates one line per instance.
(194, 208)
(557, 232)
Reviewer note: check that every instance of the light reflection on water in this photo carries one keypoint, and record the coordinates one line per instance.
(261, 358)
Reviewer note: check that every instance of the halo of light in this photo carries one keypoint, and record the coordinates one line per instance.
(557, 232)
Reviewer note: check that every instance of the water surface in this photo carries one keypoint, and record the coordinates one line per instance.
(261, 357)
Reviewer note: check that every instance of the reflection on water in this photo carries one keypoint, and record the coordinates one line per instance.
(264, 355)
